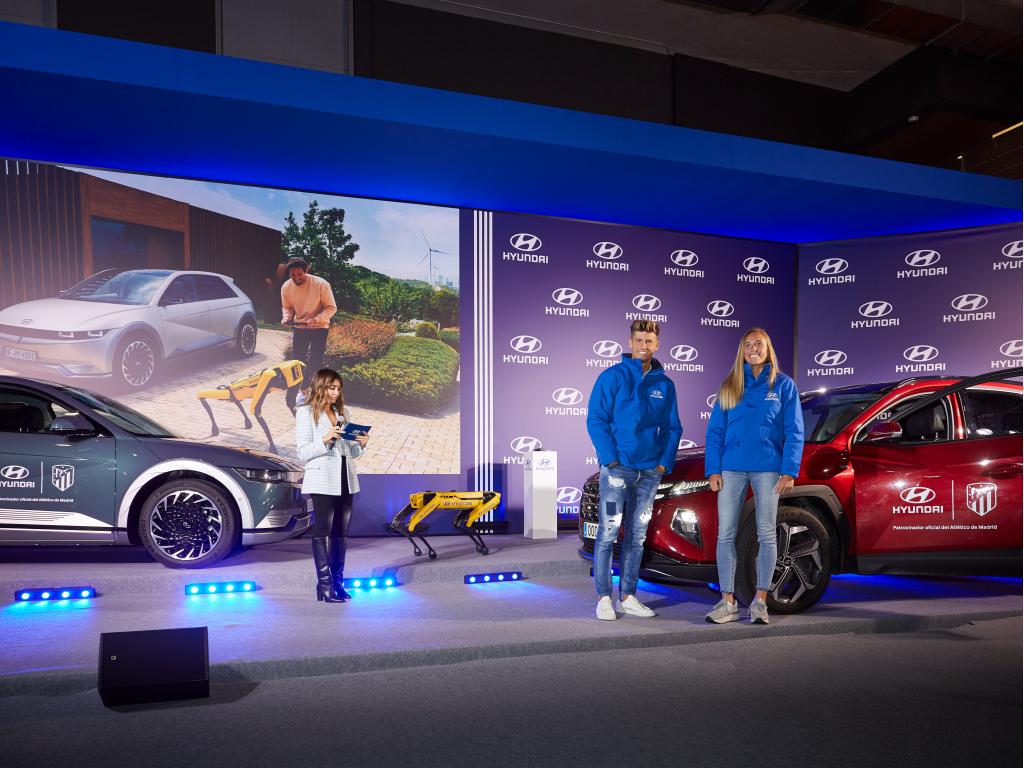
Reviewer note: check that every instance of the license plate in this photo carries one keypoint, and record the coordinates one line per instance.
(590, 530)
(19, 354)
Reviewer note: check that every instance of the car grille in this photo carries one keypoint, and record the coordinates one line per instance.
(588, 504)
(29, 333)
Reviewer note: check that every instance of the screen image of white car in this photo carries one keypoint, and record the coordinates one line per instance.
(124, 324)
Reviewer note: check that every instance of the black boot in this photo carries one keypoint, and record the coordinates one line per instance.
(324, 587)
(337, 555)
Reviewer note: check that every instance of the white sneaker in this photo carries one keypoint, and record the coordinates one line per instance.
(605, 612)
(634, 607)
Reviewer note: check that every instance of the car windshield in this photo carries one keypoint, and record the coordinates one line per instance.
(126, 418)
(134, 286)
(828, 413)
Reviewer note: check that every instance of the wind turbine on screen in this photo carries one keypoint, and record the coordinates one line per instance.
(429, 258)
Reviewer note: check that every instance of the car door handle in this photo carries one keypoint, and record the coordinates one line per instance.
(1004, 471)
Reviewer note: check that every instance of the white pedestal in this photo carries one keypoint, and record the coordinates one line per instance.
(540, 489)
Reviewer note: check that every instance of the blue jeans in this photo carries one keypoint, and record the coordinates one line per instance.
(626, 498)
(766, 507)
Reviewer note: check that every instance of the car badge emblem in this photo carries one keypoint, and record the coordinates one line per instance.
(981, 498)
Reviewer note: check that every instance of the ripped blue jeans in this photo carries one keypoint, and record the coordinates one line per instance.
(626, 499)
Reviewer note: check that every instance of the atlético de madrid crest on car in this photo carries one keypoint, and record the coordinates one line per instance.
(62, 476)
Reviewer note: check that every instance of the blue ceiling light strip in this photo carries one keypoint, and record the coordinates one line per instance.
(32, 594)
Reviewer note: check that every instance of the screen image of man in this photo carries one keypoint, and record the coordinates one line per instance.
(633, 422)
(307, 303)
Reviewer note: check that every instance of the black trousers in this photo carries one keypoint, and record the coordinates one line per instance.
(308, 345)
(332, 513)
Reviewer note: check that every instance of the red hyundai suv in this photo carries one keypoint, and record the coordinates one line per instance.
(918, 476)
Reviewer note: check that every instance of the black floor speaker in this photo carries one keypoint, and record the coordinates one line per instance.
(154, 665)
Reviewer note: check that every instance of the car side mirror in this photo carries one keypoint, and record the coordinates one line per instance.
(72, 425)
(883, 432)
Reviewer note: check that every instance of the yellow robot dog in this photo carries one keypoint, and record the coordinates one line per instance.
(255, 388)
(471, 506)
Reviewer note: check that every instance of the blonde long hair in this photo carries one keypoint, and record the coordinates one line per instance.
(731, 391)
(317, 400)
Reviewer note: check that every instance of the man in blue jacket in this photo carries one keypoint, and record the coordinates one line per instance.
(634, 425)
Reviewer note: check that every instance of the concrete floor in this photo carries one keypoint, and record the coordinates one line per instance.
(924, 698)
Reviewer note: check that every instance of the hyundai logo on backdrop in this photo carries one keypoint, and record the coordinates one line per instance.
(684, 262)
(917, 501)
(567, 401)
(608, 255)
(877, 313)
(720, 310)
(567, 500)
(684, 444)
(832, 271)
(567, 300)
(524, 248)
(647, 304)
(15, 476)
(830, 363)
(919, 357)
(969, 305)
(1011, 351)
(607, 352)
(684, 355)
(756, 266)
(525, 348)
(521, 446)
(710, 400)
(1013, 256)
(922, 264)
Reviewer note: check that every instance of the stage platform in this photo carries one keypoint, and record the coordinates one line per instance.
(433, 618)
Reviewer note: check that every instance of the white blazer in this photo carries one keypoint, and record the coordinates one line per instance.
(323, 466)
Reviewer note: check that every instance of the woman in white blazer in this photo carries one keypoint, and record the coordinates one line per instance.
(330, 478)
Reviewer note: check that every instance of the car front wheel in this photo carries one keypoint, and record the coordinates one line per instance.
(187, 523)
(135, 361)
(803, 565)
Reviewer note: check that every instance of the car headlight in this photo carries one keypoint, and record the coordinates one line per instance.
(270, 475)
(79, 335)
(682, 488)
(686, 524)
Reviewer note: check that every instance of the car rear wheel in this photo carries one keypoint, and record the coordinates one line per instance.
(245, 338)
(188, 523)
(803, 566)
(135, 361)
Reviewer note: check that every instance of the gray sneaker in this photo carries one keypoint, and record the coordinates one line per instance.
(758, 612)
(723, 612)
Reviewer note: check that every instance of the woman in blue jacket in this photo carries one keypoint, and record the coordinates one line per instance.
(755, 437)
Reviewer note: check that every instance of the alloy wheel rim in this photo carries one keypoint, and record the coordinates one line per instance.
(137, 363)
(248, 338)
(798, 567)
(186, 525)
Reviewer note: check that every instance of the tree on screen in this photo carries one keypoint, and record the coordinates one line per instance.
(323, 242)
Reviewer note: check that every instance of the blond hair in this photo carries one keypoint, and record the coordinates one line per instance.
(318, 401)
(644, 326)
(731, 391)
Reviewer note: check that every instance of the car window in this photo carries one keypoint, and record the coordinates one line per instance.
(28, 412)
(126, 418)
(182, 290)
(211, 288)
(136, 286)
(991, 412)
(827, 414)
(931, 424)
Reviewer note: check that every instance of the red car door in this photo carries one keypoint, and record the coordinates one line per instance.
(988, 477)
(905, 488)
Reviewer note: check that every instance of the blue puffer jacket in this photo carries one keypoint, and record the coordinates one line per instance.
(633, 418)
(763, 433)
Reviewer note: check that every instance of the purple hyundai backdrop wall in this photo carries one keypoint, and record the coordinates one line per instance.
(552, 302)
(885, 309)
